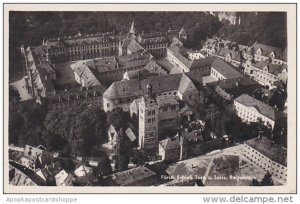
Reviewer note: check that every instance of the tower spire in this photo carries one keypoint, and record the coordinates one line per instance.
(132, 28)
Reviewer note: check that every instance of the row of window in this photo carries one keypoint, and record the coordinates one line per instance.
(84, 47)
(151, 120)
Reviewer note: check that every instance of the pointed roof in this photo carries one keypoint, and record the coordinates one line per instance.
(182, 32)
(132, 29)
(260, 106)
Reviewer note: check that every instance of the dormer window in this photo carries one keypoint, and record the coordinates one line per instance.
(266, 68)
(272, 55)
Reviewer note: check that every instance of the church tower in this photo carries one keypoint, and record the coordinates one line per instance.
(148, 122)
(132, 29)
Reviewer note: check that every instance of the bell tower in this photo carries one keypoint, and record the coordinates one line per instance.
(148, 122)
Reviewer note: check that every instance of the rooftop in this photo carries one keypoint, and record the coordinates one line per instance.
(225, 69)
(167, 100)
(268, 148)
(261, 107)
(267, 50)
(78, 40)
(236, 86)
(272, 68)
(86, 72)
(131, 176)
(136, 88)
(233, 54)
(170, 143)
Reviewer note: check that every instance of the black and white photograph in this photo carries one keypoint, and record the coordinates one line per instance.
(162, 99)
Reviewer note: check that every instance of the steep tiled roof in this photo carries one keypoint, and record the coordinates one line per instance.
(236, 86)
(261, 107)
(182, 31)
(233, 54)
(132, 45)
(191, 64)
(164, 63)
(136, 88)
(152, 38)
(268, 148)
(175, 49)
(225, 69)
(166, 100)
(44, 77)
(205, 62)
(85, 72)
(267, 50)
(272, 68)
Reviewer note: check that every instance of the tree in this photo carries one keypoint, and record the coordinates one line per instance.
(118, 118)
(255, 182)
(267, 180)
(81, 127)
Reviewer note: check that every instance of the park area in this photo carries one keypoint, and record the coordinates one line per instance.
(223, 168)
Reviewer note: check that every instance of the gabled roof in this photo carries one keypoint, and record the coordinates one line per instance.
(267, 50)
(182, 31)
(135, 88)
(225, 69)
(235, 86)
(132, 45)
(85, 72)
(261, 107)
(191, 64)
(272, 68)
(224, 52)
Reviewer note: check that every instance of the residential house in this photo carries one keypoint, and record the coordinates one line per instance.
(269, 53)
(173, 149)
(266, 73)
(221, 70)
(250, 109)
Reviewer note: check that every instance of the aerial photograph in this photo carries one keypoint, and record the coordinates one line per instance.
(148, 98)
